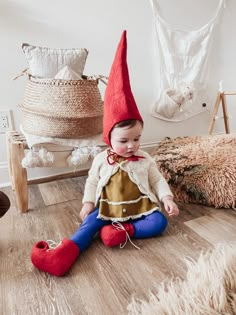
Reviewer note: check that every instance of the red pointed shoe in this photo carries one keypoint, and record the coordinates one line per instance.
(116, 233)
(55, 261)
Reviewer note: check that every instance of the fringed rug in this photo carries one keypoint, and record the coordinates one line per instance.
(209, 288)
(200, 169)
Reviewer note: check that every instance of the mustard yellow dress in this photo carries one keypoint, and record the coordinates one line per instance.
(122, 200)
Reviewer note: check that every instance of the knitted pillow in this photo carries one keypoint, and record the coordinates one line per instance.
(200, 169)
(47, 62)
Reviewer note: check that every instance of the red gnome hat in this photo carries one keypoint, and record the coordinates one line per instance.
(119, 103)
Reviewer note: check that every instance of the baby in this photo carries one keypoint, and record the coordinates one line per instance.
(123, 186)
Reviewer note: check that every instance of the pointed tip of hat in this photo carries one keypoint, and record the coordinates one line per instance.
(122, 47)
(120, 60)
(123, 36)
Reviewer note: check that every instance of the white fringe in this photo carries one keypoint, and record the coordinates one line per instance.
(126, 202)
(209, 288)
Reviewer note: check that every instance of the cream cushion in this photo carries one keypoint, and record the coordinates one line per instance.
(35, 140)
(47, 62)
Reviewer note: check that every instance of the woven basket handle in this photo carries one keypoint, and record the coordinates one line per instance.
(103, 79)
(22, 73)
(99, 77)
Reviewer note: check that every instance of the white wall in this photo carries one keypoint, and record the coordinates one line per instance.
(97, 25)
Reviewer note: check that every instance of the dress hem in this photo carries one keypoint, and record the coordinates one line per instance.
(131, 217)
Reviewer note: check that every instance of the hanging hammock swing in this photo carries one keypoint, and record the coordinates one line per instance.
(184, 67)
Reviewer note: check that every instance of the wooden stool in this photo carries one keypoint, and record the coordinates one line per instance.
(220, 99)
(16, 146)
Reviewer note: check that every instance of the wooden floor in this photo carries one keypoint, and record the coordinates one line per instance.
(103, 280)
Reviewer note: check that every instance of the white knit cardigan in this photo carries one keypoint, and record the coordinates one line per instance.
(143, 173)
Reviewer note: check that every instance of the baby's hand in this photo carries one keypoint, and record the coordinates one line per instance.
(87, 208)
(170, 206)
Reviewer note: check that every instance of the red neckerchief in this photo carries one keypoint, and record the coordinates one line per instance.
(113, 157)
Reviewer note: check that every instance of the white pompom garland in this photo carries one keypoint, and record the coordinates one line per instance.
(82, 155)
(42, 158)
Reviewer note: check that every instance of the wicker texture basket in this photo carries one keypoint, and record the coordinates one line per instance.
(62, 108)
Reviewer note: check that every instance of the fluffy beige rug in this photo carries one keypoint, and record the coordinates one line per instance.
(209, 288)
(200, 169)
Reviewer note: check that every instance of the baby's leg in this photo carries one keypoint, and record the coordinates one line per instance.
(148, 226)
(57, 261)
(85, 233)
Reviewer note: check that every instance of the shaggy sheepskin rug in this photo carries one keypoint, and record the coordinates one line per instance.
(200, 169)
(209, 288)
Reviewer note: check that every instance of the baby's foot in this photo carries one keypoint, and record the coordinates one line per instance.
(56, 261)
(116, 233)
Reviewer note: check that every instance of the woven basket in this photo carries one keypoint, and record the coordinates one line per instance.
(62, 108)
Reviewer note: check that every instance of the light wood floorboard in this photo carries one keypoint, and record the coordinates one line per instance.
(102, 280)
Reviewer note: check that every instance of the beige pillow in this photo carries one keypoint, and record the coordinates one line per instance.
(67, 74)
(47, 62)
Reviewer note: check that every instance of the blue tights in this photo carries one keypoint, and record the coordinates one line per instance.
(146, 226)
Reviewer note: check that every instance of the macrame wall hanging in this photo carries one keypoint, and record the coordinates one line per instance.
(184, 67)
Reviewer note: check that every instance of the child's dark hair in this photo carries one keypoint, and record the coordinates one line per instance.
(128, 122)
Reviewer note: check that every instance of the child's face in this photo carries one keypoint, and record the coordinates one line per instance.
(125, 141)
